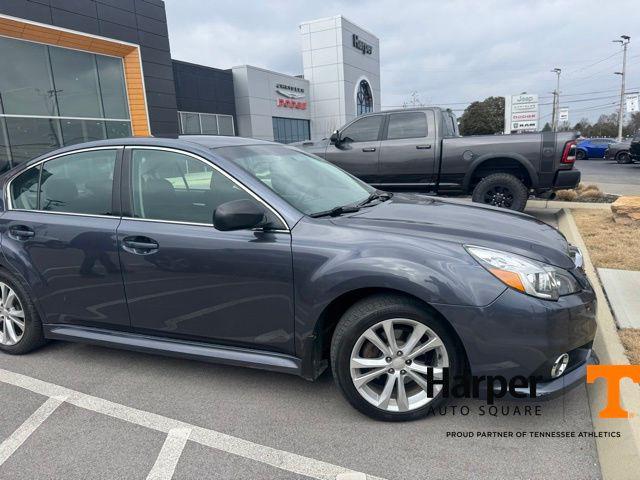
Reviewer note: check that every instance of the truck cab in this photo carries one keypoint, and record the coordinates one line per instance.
(421, 150)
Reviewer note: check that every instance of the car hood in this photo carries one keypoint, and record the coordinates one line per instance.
(464, 223)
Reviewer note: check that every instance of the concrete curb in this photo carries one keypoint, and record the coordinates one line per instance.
(562, 204)
(619, 457)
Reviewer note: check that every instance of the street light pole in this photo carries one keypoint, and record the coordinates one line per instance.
(556, 101)
(624, 42)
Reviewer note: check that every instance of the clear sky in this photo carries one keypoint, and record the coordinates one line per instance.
(448, 52)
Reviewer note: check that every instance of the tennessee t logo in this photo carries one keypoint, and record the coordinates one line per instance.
(613, 374)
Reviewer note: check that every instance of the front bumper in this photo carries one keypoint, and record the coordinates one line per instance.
(561, 385)
(521, 335)
(566, 179)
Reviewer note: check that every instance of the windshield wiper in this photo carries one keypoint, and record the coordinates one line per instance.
(334, 212)
(350, 208)
(376, 195)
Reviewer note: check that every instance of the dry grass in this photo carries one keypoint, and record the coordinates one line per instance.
(610, 244)
(567, 195)
(631, 340)
(582, 193)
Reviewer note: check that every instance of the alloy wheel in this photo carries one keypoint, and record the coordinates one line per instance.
(499, 197)
(11, 316)
(389, 364)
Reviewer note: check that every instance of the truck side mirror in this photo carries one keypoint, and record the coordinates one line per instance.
(335, 138)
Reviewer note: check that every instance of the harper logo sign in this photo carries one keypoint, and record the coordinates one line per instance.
(361, 45)
(292, 96)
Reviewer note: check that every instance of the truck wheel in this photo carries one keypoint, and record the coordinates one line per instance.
(501, 190)
(382, 351)
(623, 157)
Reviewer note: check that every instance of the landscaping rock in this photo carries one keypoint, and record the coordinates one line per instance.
(626, 210)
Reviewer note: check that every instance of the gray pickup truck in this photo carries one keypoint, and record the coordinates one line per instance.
(421, 150)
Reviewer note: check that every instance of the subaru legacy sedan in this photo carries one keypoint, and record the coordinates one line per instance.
(251, 253)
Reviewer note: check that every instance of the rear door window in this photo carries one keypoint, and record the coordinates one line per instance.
(79, 183)
(76, 183)
(407, 125)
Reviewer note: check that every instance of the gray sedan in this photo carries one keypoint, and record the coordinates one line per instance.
(256, 254)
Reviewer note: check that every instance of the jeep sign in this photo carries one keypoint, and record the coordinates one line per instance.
(521, 113)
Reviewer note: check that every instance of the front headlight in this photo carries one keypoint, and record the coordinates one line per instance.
(525, 275)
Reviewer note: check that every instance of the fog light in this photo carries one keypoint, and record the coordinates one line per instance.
(560, 365)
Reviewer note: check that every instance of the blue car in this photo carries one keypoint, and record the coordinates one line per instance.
(593, 147)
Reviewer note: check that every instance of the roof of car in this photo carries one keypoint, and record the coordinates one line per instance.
(216, 141)
(207, 141)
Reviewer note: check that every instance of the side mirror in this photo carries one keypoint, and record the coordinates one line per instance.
(238, 215)
(335, 138)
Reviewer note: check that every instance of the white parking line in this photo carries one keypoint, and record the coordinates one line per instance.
(29, 426)
(284, 460)
(169, 454)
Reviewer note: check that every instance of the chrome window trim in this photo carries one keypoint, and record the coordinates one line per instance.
(196, 224)
(7, 195)
(92, 215)
(219, 170)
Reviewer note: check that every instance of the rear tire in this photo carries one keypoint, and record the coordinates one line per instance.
(501, 190)
(20, 325)
(396, 390)
(623, 158)
(581, 155)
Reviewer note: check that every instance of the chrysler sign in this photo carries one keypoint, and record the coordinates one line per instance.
(292, 96)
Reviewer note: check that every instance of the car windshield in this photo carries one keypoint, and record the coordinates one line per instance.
(308, 183)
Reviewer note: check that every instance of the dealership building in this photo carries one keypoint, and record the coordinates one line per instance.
(82, 70)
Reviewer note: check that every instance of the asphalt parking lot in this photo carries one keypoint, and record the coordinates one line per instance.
(79, 411)
(611, 177)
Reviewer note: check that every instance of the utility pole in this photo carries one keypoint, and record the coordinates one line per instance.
(556, 100)
(624, 42)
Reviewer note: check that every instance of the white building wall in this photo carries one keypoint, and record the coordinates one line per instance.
(334, 67)
(256, 96)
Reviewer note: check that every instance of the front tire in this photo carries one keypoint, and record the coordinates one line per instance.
(381, 351)
(623, 158)
(20, 325)
(501, 190)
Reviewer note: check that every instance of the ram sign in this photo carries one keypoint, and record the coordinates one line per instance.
(521, 113)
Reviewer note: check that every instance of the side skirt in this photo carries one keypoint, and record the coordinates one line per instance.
(243, 357)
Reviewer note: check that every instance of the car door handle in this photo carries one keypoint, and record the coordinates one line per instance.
(369, 149)
(424, 147)
(139, 245)
(21, 232)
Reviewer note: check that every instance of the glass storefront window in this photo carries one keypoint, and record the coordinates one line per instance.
(190, 123)
(75, 77)
(209, 124)
(25, 79)
(193, 123)
(289, 130)
(225, 125)
(78, 131)
(5, 152)
(53, 96)
(31, 137)
(118, 129)
(112, 87)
